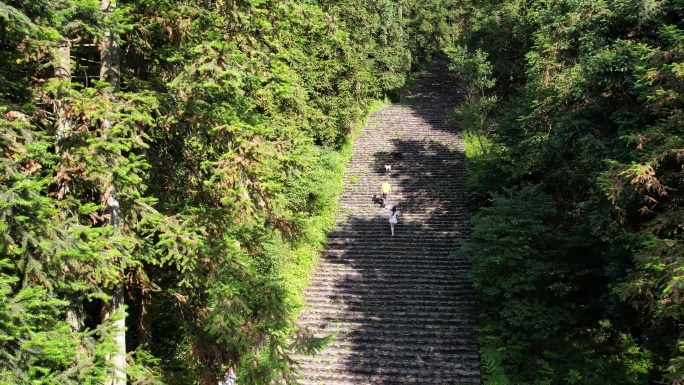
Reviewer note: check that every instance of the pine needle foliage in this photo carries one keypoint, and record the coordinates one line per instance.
(587, 115)
(224, 144)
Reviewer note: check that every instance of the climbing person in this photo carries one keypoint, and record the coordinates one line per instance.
(385, 190)
(229, 378)
(394, 218)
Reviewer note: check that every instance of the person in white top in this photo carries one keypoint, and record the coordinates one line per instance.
(230, 377)
(394, 218)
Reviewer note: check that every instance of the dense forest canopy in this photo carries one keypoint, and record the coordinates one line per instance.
(576, 128)
(171, 168)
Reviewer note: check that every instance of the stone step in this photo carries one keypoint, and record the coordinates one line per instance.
(361, 223)
(412, 340)
(384, 285)
(400, 239)
(340, 377)
(422, 261)
(409, 232)
(405, 254)
(408, 210)
(443, 188)
(388, 244)
(373, 268)
(385, 242)
(416, 290)
(341, 326)
(384, 250)
(360, 302)
(382, 262)
(383, 361)
(333, 293)
(414, 230)
(313, 319)
(388, 280)
(435, 363)
(458, 373)
(403, 342)
(397, 250)
(406, 171)
(416, 204)
(418, 255)
(381, 275)
(385, 314)
(407, 237)
(423, 357)
(398, 273)
(371, 305)
(332, 296)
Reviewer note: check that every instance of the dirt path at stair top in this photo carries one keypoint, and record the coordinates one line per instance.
(396, 305)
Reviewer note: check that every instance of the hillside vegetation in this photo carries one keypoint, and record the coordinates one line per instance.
(172, 167)
(575, 122)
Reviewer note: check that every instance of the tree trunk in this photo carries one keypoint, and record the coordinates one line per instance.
(402, 90)
(144, 325)
(118, 359)
(110, 54)
(117, 302)
(62, 71)
(110, 57)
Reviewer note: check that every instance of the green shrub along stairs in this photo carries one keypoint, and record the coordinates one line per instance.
(397, 306)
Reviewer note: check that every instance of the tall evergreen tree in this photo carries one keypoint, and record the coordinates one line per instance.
(167, 158)
(586, 101)
(110, 72)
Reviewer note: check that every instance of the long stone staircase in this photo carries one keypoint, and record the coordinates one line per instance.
(397, 306)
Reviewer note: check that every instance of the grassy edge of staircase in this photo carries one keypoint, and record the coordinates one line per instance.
(305, 256)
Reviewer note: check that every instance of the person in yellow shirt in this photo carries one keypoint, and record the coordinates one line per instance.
(385, 190)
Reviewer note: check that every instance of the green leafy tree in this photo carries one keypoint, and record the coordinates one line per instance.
(585, 102)
(474, 75)
(162, 164)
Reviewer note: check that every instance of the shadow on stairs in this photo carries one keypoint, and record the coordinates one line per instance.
(397, 306)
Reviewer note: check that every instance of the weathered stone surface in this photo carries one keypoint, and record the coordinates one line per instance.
(397, 306)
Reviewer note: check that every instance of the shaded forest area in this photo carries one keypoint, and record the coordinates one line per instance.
(576, 152)
(171, 167)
